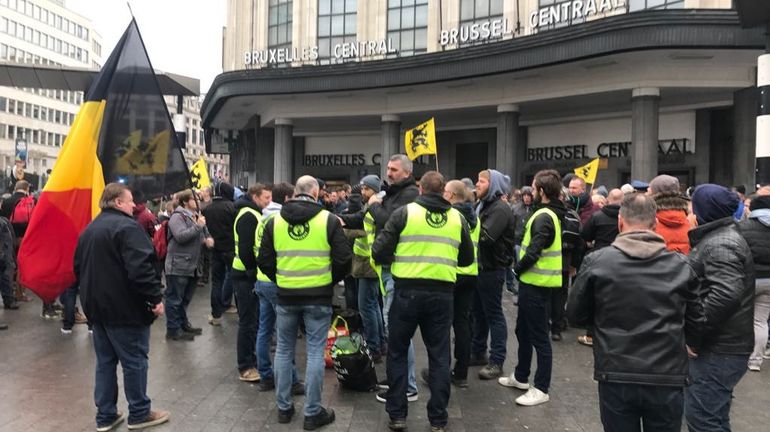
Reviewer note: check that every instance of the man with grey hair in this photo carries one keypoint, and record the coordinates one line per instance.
(634, 393)
(305, 252)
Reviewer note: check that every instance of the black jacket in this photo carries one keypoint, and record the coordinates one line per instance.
(220, 216)
(642, 302)
(247, 233)
(602, 227)
(521, 214)
(115, 268)
(397, 196)
(756, 231)
(385, 243)
(542, 236)
(496, 242)
(298, 211)
(723, 261)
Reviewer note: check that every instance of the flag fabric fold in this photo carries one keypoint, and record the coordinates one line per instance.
(588, 171)
(421, 140)
(122, 133)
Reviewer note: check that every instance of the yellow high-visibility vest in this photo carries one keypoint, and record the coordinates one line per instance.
(473, 269)
(303, 253)
(547, 271)
(237, 263)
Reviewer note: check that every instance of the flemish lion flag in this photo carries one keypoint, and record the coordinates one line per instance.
(588, 171)
(200, 175)
(421, 140)
(122, 133)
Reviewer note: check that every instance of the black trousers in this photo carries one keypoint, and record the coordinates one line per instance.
(636, 408)
(559, 305)
(461, 323)
(248, 323)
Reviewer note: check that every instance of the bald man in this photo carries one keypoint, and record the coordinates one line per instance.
(602, 228)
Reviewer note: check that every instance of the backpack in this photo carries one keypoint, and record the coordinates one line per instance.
(160, 240)
(570, 231)
(23, 210)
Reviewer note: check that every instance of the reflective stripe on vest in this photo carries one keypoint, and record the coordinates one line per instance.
(428, 245)
(473, 269)
(361, 247)
(303, 253)
(260, 232)
(237, 263)
(547, 271)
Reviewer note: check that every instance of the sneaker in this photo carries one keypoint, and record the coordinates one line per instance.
(249, 375)
(179, 335)
(323, 418)
(266, 384)
(195, 331)
(478, 360)
(437, 428)
(215, 321)
(459, 382)
(397, 424)
(3, 326)
(511, 381)
(66, 331)
(120, 418)
(383, 384)
(491, 371)
(57, 307)
(285, 416)
(767, 353)
(298, 388)
(231, 310)
(754, 366)
(13, 305)
(586, 340)
(533, 397)
(49, 315)
(410, 396)
(155, 418)
(556, 337)
(80, 318)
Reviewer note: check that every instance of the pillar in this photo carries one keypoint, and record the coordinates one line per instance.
(747, 145)
(391, 135)
(283, 159)
(762, 147)
(507, 152)
(644, 133)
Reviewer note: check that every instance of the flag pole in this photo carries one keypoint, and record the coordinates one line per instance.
(436, 155)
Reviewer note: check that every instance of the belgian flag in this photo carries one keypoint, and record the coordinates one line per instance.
(122, 133)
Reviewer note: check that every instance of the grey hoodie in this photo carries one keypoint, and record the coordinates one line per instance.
(497, 187)
(640, 244)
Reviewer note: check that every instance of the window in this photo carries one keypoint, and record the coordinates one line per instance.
(637, 5)
(3, 51)
(11, 132)
(2, 131)
(3, 104)
(477, 11)
(408, 26)
(279, 24)
(546, 3)
(3, 25)
(336, 25)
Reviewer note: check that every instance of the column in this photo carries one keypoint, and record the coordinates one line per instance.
(644, 133)
(391, 136)
(507, 141)
(282, 161)
(746, 144)
(762, 164)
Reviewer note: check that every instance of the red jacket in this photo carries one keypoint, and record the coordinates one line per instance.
(145, 219)
(673, 226)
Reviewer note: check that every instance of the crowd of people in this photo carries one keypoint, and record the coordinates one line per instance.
(671, 286)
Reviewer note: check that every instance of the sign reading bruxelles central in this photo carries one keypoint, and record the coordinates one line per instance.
(339, 51)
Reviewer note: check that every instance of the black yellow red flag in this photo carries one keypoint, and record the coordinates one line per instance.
(122, 133)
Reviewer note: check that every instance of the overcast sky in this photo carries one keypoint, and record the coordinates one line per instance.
(182, 36)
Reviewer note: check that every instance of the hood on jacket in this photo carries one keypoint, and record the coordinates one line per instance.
(224, 190)
(672, 218)
(581, 201)
(611, 210)
(762, 215)
(497, 187)
(558, 207)
(671, 201)
(712, 202)
(466, 209)
(433, 202)
(300, 210)
(640, 244)
(139, 209)
(244, 201)
(392, 189)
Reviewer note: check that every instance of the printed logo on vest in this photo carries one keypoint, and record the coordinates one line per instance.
(299, 231)
(436, 220)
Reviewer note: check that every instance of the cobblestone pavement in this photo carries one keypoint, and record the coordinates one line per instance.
(46, 384)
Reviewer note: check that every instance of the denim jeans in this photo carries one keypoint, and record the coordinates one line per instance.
(634, 407)
(461, 324)
(532, 333)
(317, 320)
(267, 293)
(369, 308)
(488, 319)
(761, 314)
(221, 285)
(179, 293)
(387, 302)
(129, 346)
(248, 321)
(707, 400)
(432, 312)
(69, 301)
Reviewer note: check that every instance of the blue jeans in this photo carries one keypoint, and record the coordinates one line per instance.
(488, 319)
(532, 333)
(433, 313)
(369, 308)
(69, 300)
(387, 302)
(633, 407)
(707, 400)
(179, 293)
(267, 293)
(130, 346)
(317, 320)
(221, 285)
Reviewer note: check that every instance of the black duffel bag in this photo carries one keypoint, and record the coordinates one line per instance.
(353, 363)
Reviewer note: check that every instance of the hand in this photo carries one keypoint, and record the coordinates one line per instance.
(201, 221)
(209, 242)
(375, 199)
(342, 222)
(690, 353)
(158, 310)
(572, 271)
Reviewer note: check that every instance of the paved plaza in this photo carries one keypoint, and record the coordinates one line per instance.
(46, 384)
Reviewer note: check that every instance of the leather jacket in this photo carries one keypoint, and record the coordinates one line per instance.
(723, 261)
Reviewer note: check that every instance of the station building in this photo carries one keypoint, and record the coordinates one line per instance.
(328, 87)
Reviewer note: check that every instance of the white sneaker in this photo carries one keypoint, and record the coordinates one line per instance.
(533, 397)
(754, 367)
(66, 331)
(767, 353)
(510, 381)
(215, 321)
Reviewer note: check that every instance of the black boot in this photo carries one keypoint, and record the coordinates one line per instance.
(195, 331)
(179, 335)
(323, 418)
